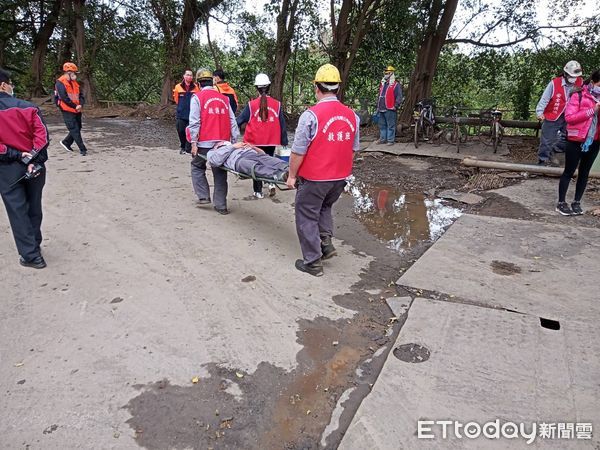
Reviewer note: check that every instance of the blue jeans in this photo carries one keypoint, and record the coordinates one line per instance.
(387, 125)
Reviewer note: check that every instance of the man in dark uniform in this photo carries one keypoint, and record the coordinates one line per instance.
(324, 144)
(23, 144)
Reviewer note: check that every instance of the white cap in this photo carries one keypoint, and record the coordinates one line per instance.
(262, 80)
(573, 68)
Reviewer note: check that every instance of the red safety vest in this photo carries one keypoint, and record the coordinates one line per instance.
(557, 104)
(214, 116)
(329, 156)
(72, 91)
(259, 132)
(390, 98)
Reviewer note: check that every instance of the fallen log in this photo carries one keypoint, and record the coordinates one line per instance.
(542, 170)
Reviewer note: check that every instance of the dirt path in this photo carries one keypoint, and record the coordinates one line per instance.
(145, 291)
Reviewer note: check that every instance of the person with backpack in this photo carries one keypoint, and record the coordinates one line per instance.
(182, 95)
(550, 110)
(583, 132)
(265, 127)
(70, 100)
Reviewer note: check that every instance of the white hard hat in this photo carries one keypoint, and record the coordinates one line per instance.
(573, 68)
(262, 80)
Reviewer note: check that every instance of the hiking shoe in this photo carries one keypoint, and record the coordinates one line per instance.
(83, 153)
(66, 147)
(272, 189)
(314, 268)
(390, 143)
(576, 208)
(379, 142)
(259, 195)
(182, 151)
(328, 251)
(36, 263)
(563, 209)
(222, 211)
(203, 201)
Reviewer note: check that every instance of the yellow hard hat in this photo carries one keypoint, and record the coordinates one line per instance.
(390, 69)
(204, 74)
(328, 74)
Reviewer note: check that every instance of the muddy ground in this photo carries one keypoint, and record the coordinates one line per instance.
(389, 217)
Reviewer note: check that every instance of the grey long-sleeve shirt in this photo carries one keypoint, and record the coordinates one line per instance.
(194, 125)
(307, 130)
(227, 155)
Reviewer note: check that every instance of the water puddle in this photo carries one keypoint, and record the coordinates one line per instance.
(401, 219)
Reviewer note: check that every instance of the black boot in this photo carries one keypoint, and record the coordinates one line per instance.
(315, 268)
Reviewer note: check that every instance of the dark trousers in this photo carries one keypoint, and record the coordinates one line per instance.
(200, 183)
(552, 138)
(269, 150)
(73, 123)
(181, 126)
(23, 204)
(314, 200)
(575, 157)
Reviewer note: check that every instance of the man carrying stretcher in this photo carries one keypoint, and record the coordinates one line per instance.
(248, 160)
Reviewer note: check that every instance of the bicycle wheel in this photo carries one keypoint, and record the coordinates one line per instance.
(485, 136)
(418, 125)
(457, 138)
(428, 132)
(496, 136)
(464, 134)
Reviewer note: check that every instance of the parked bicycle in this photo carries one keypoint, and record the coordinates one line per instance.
(492, 136)
(424, 121)
(458, 134)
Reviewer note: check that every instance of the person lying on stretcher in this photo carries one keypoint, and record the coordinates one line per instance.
(247, 159)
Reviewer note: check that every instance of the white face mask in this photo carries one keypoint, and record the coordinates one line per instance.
(571, 80)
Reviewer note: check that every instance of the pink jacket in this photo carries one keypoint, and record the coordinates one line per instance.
(579, 115)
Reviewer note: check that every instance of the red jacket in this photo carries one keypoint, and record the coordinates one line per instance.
(579, 115)
(21, 126)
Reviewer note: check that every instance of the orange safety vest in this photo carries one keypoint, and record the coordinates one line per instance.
(72, 91)
(179, 91)
(225, 89)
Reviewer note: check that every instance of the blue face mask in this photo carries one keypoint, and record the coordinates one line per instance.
(595, 90)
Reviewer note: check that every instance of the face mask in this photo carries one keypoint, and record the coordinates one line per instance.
(571, 80)
(387, 76)
(595, 91)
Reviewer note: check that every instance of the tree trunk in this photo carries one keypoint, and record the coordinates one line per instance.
(85, 75)
(65, 48)
(286, 24)
(419, 87)
(176, 38)
(353, 23)
(40, 46)
(212, 48)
